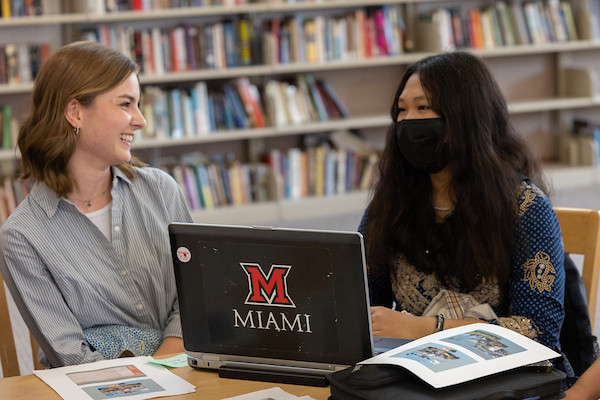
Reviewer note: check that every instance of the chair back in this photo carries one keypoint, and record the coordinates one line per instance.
(8, 349)
(581, 235)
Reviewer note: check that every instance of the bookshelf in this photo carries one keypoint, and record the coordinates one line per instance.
(547, 85)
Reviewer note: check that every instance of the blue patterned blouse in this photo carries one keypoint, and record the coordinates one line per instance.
(534, 304)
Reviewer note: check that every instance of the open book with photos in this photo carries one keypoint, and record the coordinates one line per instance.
(465, 353)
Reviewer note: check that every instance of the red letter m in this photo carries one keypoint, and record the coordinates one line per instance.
(270, 290)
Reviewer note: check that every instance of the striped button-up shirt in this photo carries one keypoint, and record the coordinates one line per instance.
(71, 277)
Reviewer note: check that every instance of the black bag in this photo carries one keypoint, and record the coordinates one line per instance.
(576, 338)
(382, 382)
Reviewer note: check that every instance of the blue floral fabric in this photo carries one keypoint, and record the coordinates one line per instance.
(112, 340)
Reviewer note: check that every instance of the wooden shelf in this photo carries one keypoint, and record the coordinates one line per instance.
(283, 210)
(245, 134)
(560, 176)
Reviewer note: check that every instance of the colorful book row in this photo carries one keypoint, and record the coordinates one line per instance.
(321, 171)
(291, 174)
(102, 6)
(21, 8)
(200, 110)
(20, 63)
(502, 24)
(220, 183)
(186, 47)
(363, 33)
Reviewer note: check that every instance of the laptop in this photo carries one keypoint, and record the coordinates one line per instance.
(276, 304)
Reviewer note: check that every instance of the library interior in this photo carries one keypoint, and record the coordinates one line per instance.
(275, 112)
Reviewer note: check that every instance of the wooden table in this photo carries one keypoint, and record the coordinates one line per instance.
(208, 386)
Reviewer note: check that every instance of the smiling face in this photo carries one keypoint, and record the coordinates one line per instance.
(413, 103)
(108, 125)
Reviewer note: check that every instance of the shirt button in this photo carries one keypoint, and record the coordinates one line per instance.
(117, 229)
(123, 273)
(140, 306)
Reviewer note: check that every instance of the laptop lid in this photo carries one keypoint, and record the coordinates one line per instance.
(271, 297)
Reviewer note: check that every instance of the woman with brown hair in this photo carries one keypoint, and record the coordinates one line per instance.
(88, 250)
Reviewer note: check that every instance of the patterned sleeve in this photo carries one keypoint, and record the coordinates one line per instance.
(537, 280)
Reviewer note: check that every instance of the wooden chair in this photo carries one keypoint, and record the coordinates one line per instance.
(581, 235)
(8, 351)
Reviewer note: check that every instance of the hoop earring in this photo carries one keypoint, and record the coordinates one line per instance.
(77, 129)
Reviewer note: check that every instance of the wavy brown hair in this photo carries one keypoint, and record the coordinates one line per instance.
(81, 71)
(488, 160)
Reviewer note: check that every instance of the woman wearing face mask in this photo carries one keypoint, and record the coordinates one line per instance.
(459, 229)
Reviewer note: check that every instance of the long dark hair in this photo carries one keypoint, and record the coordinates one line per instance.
(487, 160)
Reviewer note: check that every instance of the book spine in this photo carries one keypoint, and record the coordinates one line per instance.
(6, 127)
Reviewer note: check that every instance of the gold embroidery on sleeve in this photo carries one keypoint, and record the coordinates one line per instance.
(522, 325)
(538, 272)
(527, 199)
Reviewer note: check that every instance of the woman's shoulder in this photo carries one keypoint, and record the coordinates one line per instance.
(532, 199)
(151, 173)
(151, 176)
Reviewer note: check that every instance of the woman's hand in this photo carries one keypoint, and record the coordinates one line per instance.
(170, 345)
(396, 324)
(390, 323)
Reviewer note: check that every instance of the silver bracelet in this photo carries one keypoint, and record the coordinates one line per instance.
(439, 323)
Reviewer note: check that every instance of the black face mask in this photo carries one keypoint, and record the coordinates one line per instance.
(421, 142)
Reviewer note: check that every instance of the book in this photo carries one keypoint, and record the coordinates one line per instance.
(12, 63)
(534, 24)
(555, 16)
(316, 97)
(3, 65)
(6, 127)
(465, 353)
(250, 99)
(496, 27)
(380, 32)
(489, 39)
(238, 112)
(5, 7)
(293, 108)
(245, 56)
(460, 34)
(201, 112)
(275, 104)
(520, 24)
(509, 32)
(157, 53)
(442, 22)
(256, 31)
(310, 42)
(570, 20)
(187, 109)
(191, 187)
(204, 191)
(475, 28)
(229, 43)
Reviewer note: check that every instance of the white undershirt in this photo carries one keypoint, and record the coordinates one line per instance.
(101, 218)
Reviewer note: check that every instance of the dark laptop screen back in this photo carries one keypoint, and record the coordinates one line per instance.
(272, 293)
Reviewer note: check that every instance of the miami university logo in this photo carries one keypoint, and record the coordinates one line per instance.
(269, 290)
